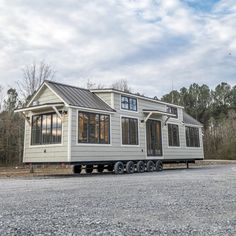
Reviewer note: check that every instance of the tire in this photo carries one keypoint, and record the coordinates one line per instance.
(159, 166)
(130, 167)
(89, 169)
(119, 168)
(110, 167)
(140, 167)
(100, 168)
(150, 166)
(77, 169)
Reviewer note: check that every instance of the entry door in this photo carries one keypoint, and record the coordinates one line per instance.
(154, 142)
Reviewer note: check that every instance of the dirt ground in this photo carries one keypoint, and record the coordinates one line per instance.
(44, 170)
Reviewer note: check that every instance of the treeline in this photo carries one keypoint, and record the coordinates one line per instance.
(12, 124)
(216, 110)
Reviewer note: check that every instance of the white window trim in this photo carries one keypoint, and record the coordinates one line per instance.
(92, 144)
(127, 110)
(200, 138)
(174, 147)
(129, 145)
(46, 145)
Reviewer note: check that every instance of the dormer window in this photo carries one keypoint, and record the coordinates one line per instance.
(172, 110)
(129, 103)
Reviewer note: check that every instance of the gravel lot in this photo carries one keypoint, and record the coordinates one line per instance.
(197, 201)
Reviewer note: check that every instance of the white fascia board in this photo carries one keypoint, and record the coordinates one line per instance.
(38, 107)
(90, 109)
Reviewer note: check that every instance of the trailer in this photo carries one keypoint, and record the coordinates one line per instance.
(107, 129)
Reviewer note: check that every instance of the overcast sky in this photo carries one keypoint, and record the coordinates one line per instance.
(148, 43)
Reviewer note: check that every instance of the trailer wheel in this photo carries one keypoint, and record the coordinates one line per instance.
(130, 167)
(100, 168)
(159, 166)
(119, 168)
(89, 169)
(150, 166)
(77, 169)
(140, 167)
(110, 167)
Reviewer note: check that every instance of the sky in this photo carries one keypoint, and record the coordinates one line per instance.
(155, 45)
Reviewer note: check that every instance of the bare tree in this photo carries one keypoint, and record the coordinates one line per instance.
(33, 76)
(92, 85)
(122, 85)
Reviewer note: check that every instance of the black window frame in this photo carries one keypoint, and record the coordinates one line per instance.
(51, 139)
(129, 134)
(129, 103)
(89, 139)
(172, 110)
(171, 138)
(192, 135)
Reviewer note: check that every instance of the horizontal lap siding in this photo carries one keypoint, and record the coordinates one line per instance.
(117, 152)
(47, 96)
(106, 97)
(54, 153)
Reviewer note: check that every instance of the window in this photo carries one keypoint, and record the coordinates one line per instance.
(128, 103)
(93, 128)
(192, 137)
(173, 110)
(46, 129)
(129, 131)
(173, 135)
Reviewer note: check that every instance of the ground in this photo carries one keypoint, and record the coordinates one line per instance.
(195, 201)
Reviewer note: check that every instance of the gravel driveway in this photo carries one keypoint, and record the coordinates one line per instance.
(196, 201)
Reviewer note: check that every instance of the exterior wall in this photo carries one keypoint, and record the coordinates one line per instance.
(107, 98)
(46, 153)
(116, 151)
(46, 96)
(54, 152)
(71, 151)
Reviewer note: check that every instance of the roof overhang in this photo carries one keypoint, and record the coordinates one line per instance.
(40, 107)
(157, 112)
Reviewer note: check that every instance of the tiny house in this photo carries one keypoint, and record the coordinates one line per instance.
(107, 129)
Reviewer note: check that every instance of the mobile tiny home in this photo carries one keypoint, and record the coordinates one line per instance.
(107, 129)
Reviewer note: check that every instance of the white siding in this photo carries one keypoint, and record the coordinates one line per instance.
(46, 96)
(115, 151)
(54, 153)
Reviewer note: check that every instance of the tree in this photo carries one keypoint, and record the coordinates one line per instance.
(33, 77)
(12, 100)
(1, 97)
(11, 131)
(92, 85)
(122, 85)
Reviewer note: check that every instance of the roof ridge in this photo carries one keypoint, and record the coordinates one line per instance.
(67, 85)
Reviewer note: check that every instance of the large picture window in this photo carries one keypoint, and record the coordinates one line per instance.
(129, 131)
(46, 129)
(93, 128)
(173, 135)
(128, 103)
(192, 137)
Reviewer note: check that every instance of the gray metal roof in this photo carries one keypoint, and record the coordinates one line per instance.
(78, 97)
(187, 119)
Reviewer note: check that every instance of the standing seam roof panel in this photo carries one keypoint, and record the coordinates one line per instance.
(79, 97)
